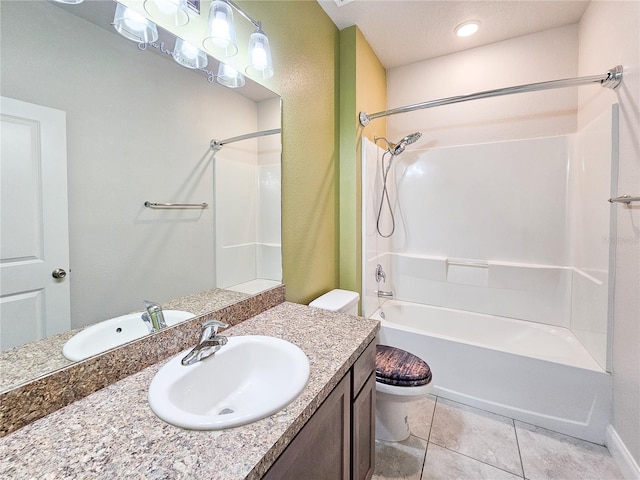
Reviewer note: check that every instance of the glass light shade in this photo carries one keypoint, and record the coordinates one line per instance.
(189, 56)
(229, 76)
(69, 2)
(260, 56)
(220, 38)
(173, 12)
(132, 25)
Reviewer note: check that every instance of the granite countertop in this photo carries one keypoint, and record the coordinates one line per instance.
(113, 433)
(24, 363)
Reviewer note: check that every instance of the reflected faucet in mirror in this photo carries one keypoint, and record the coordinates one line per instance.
(153, 317)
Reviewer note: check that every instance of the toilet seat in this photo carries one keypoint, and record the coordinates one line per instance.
(400, 368)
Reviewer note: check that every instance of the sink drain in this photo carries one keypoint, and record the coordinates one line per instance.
(225, 411)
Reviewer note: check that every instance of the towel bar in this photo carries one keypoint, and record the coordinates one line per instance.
(625, 199)
(174, 205)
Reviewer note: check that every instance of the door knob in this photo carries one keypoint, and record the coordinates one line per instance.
(58, 273)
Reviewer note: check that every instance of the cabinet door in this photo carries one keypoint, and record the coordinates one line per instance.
(321, 450)
(364, 435)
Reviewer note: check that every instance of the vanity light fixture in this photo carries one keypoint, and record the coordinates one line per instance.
(133, 26)
(229, 76)
(467, 29)
(260, 54)
(189, 56)
(173, 12)
(221, 38)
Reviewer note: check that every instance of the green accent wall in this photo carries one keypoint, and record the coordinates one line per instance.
(363, 87)
(325, 77)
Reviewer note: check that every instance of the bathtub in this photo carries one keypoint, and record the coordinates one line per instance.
(535, 373)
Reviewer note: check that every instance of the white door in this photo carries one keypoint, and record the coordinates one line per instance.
(34, 237)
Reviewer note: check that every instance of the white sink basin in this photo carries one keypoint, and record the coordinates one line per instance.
(114, 332)
(249, 378)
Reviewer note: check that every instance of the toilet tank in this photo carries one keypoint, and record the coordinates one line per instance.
(343, 301)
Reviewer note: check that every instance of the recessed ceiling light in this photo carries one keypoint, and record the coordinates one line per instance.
(466, 29)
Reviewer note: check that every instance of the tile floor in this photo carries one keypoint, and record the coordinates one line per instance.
(451, 441)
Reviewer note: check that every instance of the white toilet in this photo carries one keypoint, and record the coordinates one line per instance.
(400, 376)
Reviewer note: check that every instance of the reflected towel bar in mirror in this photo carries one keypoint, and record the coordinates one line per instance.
(625, 199)
(175, 205)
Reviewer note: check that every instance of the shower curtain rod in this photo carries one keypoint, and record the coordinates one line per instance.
(610, 80)
(217, 144)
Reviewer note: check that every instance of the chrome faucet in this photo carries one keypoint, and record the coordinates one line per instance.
(210, 342)
(153, 317)
(384, 294)
(381, 276)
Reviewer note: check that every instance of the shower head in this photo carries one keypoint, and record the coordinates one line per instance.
(398, 148)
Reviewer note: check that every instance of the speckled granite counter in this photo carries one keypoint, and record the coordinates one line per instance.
(21, 364)
(113, 433)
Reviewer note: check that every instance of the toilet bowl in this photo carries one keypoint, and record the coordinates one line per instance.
(400, 376)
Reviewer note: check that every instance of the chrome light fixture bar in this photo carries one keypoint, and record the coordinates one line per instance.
(221, 38)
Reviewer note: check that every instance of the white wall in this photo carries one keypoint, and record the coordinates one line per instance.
(543, 56)
(608, 36)
(127, 143)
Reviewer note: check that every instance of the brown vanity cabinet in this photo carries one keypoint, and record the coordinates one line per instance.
(338, 441)
(363, 415)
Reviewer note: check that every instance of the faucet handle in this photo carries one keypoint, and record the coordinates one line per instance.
(210, 329)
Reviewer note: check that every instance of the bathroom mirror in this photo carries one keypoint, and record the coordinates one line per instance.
(138, 128)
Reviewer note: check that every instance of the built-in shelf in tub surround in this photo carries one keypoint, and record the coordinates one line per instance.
(45, 394)
(113, 433)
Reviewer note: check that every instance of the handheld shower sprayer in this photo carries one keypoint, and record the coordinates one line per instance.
(394, 149)
(398, 148)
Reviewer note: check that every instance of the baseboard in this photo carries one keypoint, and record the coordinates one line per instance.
(621, 455)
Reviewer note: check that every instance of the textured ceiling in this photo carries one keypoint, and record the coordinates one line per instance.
(407, 31)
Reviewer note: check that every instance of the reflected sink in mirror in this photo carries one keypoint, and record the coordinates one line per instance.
(249, 378)
(114, 332)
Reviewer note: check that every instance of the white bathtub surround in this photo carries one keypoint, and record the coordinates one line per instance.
(247, 185)
(534, 373)
(538, 293)
(517, 229)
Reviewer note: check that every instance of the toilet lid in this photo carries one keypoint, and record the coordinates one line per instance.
(395, 366)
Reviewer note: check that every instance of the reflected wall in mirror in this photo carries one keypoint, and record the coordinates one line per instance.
(138, 128)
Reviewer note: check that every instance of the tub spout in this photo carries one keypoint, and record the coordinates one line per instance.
(384, 294)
